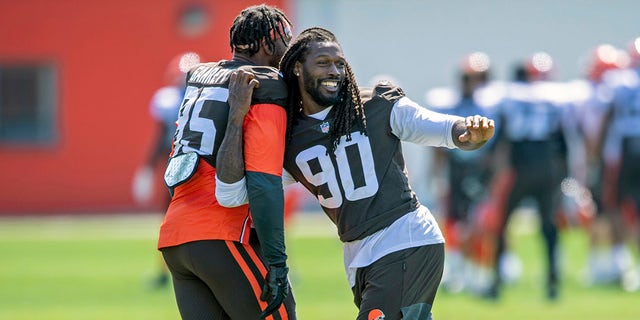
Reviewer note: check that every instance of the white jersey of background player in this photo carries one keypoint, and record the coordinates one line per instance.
(621, 157)
(593, 99)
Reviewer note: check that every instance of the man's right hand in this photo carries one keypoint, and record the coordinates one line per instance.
(241, 85)
(230, 159)
(275, 289)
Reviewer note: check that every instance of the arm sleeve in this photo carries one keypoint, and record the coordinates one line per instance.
(413, 123)
(264, 139)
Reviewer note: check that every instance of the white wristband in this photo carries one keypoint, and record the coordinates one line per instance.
(231, 194)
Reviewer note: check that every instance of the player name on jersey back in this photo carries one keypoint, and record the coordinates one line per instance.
(209, 74)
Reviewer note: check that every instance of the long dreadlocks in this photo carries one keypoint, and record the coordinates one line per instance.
(254, 24)
(349, 108)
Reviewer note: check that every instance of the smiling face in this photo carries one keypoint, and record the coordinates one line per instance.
(321, 76)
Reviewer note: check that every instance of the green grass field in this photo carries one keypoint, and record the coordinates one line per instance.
(98, 268)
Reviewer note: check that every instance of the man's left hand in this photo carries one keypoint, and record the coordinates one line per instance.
(479, 130)
(275, 289)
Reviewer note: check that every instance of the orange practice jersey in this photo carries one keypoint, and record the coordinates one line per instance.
(194, 213)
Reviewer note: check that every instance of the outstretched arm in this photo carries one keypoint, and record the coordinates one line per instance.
(413, 123)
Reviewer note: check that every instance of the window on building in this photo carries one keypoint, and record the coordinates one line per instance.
(28, 104)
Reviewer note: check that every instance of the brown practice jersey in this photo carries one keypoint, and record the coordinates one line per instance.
(205, 101)
(363, 186)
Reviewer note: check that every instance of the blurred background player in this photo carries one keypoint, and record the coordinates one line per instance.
(163, 108)
(594, 97)
(621, 162)
(534, 139)
(467, 174)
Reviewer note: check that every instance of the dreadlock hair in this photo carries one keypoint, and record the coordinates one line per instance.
(348, 109)
(254, 24)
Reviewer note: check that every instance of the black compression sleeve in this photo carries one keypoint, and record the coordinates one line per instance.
(266, 203)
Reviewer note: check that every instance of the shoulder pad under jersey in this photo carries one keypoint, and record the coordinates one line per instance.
(387, 91)
(552, 92)
(491, 94)
(272, 89)
(441, 98)
(621, 78)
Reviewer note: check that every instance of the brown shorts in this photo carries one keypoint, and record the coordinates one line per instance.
(400, 285)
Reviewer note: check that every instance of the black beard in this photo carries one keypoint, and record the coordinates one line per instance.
(312, 88)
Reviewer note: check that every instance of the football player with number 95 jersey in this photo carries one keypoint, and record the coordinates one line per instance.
(219, 268)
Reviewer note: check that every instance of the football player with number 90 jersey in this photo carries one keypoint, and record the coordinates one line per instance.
(353, 164)
(344, 146)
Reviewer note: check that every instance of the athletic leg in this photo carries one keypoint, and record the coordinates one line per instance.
(194, 298)
(519, 190)
(400, 285)
(547, 197)
(232, 272)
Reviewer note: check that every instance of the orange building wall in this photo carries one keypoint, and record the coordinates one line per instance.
(110, 57)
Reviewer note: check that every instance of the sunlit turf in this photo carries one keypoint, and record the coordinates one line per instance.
(99, 267)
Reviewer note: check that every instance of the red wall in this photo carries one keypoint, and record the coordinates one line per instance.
(110, 57)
